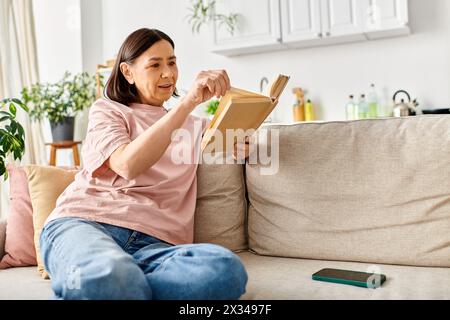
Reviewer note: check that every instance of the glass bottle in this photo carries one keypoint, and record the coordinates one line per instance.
(372, 99)
(363, 108)
(350, 108)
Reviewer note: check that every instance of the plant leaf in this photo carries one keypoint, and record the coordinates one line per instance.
(21, 131)
(12, 109)
(21, 104)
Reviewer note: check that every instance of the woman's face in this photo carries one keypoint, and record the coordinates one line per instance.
(154, 73)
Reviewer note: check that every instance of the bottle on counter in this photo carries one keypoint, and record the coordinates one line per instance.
(309, 111)
(350, 109)
(298, 109)
(363, 108)
(372, 100)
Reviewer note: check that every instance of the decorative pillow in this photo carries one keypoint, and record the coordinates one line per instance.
(45, 185)
(19, 244)
(2, 237)
(221, 207)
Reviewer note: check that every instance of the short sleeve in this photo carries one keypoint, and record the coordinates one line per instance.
(107, 130)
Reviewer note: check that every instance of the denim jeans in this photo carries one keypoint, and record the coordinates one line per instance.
(92, 260)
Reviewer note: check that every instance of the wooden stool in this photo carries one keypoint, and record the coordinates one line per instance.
(64, 145)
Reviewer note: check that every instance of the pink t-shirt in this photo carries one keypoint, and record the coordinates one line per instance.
(159, 202)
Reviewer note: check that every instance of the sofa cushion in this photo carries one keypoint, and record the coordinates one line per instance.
(291, 279)
(366, 191)
(221, 206)
(24, 284)
(19, 244)
(45, 183)
(280, 278)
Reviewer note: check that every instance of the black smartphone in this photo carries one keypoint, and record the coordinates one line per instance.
(354, 278)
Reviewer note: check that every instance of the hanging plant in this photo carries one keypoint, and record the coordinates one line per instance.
(203, 12)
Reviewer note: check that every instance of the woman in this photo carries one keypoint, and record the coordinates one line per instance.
(124, 228)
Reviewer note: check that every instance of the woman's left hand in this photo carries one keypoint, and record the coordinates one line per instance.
(243, 149)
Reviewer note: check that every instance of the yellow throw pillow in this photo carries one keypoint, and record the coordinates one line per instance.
(45, 185)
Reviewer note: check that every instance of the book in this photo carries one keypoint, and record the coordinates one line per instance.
(240, 110)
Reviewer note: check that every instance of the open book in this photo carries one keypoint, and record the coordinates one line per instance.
(240, 109)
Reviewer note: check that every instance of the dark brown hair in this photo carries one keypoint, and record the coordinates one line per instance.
(118, 88)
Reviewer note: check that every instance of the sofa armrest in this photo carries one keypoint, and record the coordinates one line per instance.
(2, 237)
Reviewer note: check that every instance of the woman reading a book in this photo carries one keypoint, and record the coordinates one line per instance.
(124, 228)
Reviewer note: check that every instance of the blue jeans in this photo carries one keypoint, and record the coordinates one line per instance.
(91, 260)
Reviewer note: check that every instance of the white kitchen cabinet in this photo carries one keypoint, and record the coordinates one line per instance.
(342, 19)
(307, 23)
(385, 18)
(258, 30)
(301, 22)
(267, 25)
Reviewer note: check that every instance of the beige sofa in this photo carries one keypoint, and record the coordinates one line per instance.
(370, 195)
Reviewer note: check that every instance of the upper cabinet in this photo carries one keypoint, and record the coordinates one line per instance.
(301, 21)
(277, 24)
(386, 18)
(307, 23)
(343, 18)
(259, 30)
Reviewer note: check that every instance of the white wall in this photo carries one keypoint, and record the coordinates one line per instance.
(91, 34)
(419, 63)
(58, 37)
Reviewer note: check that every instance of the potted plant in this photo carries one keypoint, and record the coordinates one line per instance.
(60, 102)
(211, 107)
(12, 135)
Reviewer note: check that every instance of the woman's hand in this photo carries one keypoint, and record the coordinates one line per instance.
(207, 85)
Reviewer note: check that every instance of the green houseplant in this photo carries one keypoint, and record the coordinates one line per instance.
(211, 107)
(12, 135)
(60, 102)
(204, 11)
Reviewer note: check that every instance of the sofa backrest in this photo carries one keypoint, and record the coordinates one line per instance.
(374, 191)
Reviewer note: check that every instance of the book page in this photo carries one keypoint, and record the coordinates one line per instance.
(278, 86)
(243, 93)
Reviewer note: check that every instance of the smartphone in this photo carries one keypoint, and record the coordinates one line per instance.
(354, 278)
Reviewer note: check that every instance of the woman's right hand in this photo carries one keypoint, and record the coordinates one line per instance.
(207, 85)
